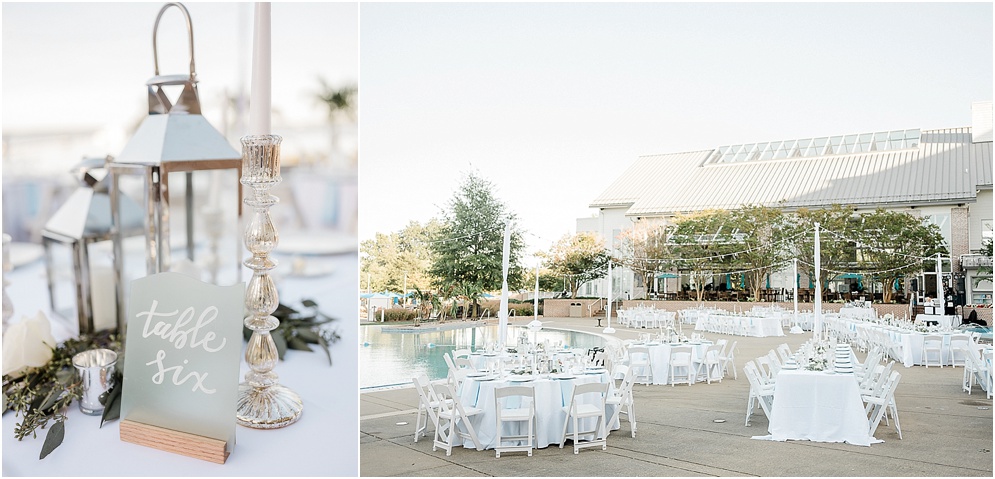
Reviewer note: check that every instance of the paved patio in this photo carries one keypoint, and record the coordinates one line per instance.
(946, 432)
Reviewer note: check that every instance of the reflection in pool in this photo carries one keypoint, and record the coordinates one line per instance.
(392, 359)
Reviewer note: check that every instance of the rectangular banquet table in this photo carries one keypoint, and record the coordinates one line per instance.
(552, 395)
(818, 406)
(944, 321)
(751, 325)
(322, 443)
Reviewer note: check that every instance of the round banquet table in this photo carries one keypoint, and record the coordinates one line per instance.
(552, 395)
(322, 443)
(660, 359)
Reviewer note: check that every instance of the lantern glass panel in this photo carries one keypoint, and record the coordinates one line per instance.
(103, 305)
(204, 234)
(61, 276)
(131, 193)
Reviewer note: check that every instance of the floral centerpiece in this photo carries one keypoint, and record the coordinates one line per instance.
(814, 355)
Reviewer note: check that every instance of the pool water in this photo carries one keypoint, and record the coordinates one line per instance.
(392, 359)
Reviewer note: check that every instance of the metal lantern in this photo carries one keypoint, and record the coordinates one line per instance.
(185, 175)
(78, 254)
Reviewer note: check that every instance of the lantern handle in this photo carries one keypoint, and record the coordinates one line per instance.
(155, 30)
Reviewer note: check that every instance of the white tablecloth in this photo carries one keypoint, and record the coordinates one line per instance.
(859, 313)
(818, 406)
(945, 321)
(551, 396)
(753, 326)
(660, 360)
(323, 443)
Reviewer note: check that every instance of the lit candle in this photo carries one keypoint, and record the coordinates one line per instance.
(102, 297)
(259, 103)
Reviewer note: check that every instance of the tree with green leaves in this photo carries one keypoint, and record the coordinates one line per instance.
(467, 250)
(644, 250)
(760, 235)
(836, 253)
(700, 244)
(389, 261)
(892, 243)
(580, 258)
(427, 303)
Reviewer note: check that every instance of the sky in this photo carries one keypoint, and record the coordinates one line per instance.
(552, 102)
(78, 66)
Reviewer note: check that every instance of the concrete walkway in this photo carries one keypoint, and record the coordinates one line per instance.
(946, 432)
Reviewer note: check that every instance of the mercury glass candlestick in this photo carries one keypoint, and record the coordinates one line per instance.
(262, 402)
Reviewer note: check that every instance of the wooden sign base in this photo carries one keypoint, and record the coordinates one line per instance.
(200, 447)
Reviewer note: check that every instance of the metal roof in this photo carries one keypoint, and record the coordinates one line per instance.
(945, 167)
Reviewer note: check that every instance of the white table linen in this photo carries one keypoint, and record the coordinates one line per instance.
(750, 325)
(818, 406)
(660, 359)
(551, 395)
(859, 313)
(944, 321)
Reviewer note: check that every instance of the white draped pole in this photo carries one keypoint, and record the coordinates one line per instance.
(817, 330)
(535, 325)
(608, 314)
(535, 300)
(503, 312)
(939, 284)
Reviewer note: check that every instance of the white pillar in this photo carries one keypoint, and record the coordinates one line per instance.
(817, 329)
(939, 283)
(608, 314)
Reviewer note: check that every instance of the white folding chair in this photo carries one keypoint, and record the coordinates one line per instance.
(728, 359)
(461, 353)
(760, 391)
(976, 368)
(932, 343)
(578, 411)
(957, 342)
(622, 398)
(711, 363)
(986, 360)
(639, 362)
(680, 357)
(522, 410)
(456, 375)
(449, 419)
(784, 352)
(879, 405)
(428, 406)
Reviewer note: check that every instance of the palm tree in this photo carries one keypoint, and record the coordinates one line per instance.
(341, 103)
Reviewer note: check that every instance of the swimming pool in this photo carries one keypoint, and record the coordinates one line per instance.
(391, 359)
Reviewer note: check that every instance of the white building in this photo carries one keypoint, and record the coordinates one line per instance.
(944, 175)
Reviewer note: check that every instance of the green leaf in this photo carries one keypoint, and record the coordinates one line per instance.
(324, 345)
(281, 343)
(298, 344)
(309, 303)
(53, 439)
(246, 333)
(113, 409)
(51, 399)
(307, 335)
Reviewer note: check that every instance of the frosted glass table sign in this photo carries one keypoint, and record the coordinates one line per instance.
(181, 365)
